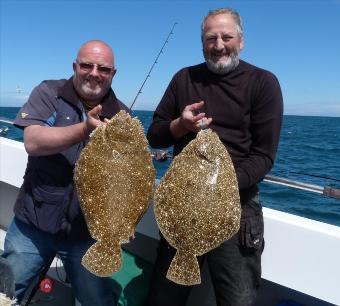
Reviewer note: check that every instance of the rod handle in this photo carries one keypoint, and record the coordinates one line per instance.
(331, 192)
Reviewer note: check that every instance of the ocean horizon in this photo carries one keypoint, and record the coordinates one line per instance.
(308, 152)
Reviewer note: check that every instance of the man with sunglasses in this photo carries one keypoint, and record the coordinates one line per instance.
(57, 121)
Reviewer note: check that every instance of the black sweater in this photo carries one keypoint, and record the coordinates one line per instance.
(246, 107)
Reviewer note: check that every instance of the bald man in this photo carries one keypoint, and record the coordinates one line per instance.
(57, 121)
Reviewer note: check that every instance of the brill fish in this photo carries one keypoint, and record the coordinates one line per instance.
(197, 204)
(114, 177)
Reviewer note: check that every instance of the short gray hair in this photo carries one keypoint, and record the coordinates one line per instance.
(236, 16)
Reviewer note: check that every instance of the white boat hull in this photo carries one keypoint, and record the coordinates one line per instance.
(300, 254)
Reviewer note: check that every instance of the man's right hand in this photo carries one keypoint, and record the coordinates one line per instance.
(191, 120)
(92, 120)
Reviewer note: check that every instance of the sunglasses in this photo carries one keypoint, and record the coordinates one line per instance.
(90, 66)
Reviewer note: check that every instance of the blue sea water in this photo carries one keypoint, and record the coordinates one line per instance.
(309, 152)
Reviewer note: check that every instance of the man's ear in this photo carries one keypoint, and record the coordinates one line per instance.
(242, 43)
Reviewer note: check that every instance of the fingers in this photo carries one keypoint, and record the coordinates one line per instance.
(198, 117)
(93, 120)
(208, 121)
(192, 119)
(202, 124)
(191, 113)
(198, 125)
(94, 112)
(195, 106)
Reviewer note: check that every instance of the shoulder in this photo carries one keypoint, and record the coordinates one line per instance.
(50, 87)
(111, 105)
(41, 104)
(46, 92)
(196, 69)
(257, 72)
(195, 72)
(122, 106)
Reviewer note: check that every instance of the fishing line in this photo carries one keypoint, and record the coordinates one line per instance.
(153, 65)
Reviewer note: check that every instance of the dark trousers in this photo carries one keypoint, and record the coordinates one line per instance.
(27, 250)
(6, 278)
(235, 266)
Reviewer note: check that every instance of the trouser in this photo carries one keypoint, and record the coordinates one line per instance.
(6, 278)
(28, 249)
(235, 266)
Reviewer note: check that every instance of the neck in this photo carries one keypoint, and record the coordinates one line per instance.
(89, 104)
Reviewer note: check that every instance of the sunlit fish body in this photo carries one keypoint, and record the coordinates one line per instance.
(197, 204)
(114, 177)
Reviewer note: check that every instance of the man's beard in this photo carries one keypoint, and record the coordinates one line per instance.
(86, 91)
(96, 92)
(222, 66)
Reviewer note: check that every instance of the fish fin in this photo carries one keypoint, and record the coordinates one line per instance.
(103, 258)
(184, 269)
(6, 301)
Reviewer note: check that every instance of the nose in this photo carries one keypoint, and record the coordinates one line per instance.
(94, 71)
(219, 45)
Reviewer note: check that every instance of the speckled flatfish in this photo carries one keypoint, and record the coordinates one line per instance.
(197, 204)
(114, 176)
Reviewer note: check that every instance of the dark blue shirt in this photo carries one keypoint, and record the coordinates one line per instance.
(47, 198)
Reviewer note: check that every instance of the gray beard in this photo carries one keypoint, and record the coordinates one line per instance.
(223, 67)
(91, 92)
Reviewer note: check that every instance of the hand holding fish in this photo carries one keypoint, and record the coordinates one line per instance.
(191, 120)
(92, 121)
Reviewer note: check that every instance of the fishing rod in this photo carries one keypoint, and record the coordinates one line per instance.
(326, 190)
(153, 65)
(315, 175)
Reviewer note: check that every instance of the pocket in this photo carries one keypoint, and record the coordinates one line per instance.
(251, 231)
(48, 208)
(48, 195)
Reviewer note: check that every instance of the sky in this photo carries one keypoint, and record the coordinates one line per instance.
(299, 41)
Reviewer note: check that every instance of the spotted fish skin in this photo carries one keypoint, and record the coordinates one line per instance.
(197, 204)
(114, 177)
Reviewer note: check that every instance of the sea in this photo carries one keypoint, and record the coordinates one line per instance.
(309, 152)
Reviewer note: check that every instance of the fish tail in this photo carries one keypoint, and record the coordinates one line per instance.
(103, 258)
(184, 269)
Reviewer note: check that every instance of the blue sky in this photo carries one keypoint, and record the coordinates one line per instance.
(299, 41)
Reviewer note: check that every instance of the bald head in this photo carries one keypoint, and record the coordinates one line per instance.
(93, 69)
(96, 49)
